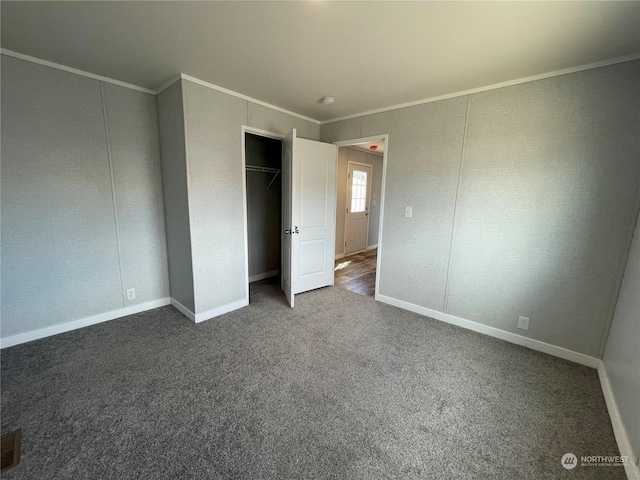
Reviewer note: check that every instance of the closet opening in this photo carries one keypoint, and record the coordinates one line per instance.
(263, 170)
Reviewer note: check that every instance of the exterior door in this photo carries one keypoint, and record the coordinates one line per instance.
(309, 195)
(356, 230)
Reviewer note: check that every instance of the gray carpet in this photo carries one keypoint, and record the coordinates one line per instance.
(341, 387)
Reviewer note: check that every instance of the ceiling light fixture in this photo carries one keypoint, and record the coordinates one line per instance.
(327, 100)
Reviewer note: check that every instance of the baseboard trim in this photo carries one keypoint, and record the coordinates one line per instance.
(372, 247)
(339, 256)
(554, 350)
(631, 468)
(80, 323)
(183, 310)
(262, 276)
(216, 312)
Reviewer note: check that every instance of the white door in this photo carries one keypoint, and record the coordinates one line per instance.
(356, 230)
(286, 280)
(309, 195)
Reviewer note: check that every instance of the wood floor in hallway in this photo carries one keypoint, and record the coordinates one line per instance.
(357, 272)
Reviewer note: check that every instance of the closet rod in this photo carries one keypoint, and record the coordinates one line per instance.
(255, 168)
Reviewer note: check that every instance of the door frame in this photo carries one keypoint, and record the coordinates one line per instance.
(385, 154)
(366, 241)
(244, 129)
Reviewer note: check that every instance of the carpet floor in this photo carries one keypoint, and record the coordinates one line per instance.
(342, 387)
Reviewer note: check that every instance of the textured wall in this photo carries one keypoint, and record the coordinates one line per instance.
(425, 145)
(341, 196)
(274, 121)
(547, 197)
(546, 202)
(214, 156)
(133, 141)
(175, 192)
(213, 121)
(343, 130)
(622, 355)
(60, 258)
(376, 195)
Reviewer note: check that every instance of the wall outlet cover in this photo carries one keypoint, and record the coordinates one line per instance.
(131, 293)
(523, 323)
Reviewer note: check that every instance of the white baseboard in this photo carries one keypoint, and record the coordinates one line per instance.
(631, 468)
(262, 276)
(83, 322)
(201, 317)
(495, 332)
(339, 256)
(371, 247)
(183, 310)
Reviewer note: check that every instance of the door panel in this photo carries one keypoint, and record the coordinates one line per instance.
(357, 216)
(312, 255)
(313, 209)
(313, 193)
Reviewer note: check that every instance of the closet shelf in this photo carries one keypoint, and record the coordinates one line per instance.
(255, 168)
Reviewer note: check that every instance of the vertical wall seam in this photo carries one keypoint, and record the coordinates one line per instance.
(107, 134)
(445, 303)
(185, 117)
(604, 336)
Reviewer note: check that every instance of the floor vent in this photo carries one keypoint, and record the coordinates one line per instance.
(10, 450)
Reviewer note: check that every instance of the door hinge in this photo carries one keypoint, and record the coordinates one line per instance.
(345, 244)
(349, 175)
(347, 210)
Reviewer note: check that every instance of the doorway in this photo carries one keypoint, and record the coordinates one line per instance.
(360, 178)
(305, 229)
(263, 180)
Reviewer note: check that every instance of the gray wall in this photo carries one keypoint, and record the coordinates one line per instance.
(376, 196)
(346, 154)
(74, 236)
(524, 199)
(622, 355)
(175, 191)
(214, 164)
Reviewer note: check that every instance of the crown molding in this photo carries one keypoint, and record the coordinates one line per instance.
(57, 66)
(182, 76)
(245, 97)
(532, 78)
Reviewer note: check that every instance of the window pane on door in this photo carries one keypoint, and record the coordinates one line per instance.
(358, 191)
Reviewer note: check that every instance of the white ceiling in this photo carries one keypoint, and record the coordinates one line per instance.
(368, 55)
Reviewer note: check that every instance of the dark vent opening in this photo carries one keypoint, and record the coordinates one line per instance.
(10, 450)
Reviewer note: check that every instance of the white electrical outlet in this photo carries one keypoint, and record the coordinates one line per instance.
(523, 323)
(408, 211)
(131, 293)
